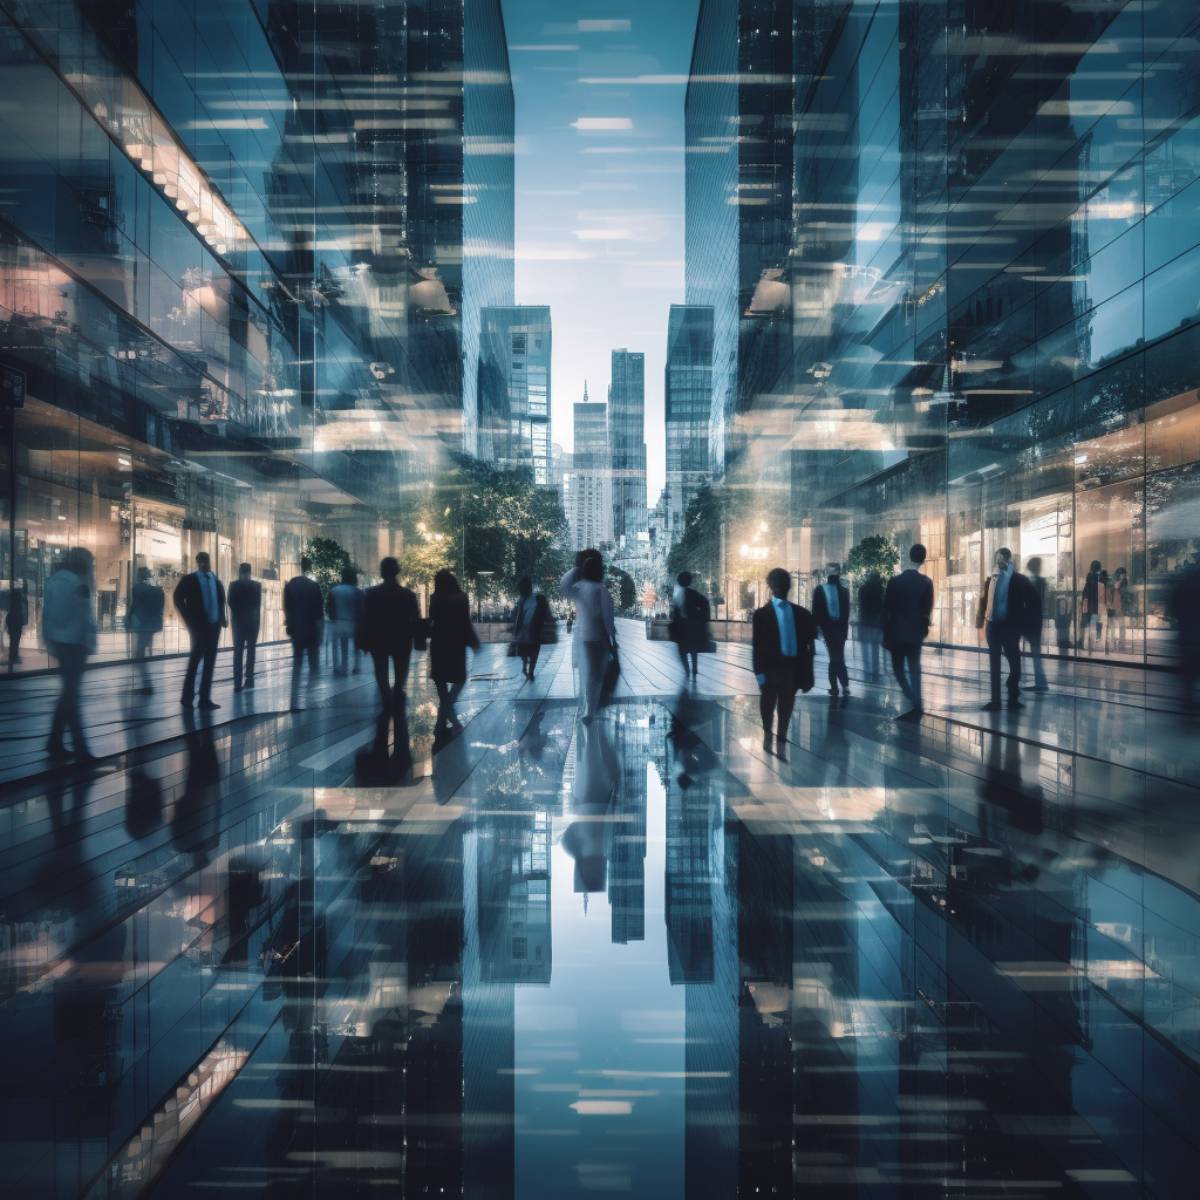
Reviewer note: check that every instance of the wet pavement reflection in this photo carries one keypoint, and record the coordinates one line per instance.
(640, 958)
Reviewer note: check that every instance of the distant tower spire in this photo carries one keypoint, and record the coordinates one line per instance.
(585, 395)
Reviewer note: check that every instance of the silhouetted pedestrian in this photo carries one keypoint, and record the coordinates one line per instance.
(1092, 598)
(146, 605)
(200, 601)
(304, 619)
(245, 616)
(1037, 622)
(529, 625)
(389, 632)
(15, 621)
(782, 650)
(69, 631)
(689, 624)
(870, 623)
(831, 612)
(594, 642)
(1006, 613)
(345, 610)
(907, 608)
(451, 632)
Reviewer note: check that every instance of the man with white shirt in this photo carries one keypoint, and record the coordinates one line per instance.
(200, 600)
(831, 612)
(69, 631)
(1008, 610)
(782, 648)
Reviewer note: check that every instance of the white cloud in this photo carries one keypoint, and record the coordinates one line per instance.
(601, 124)
(606, 26)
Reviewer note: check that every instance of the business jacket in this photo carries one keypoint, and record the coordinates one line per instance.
(245, 605)
(451, 632)
(689, 627)
(189, 601)
(1024, 614)
(870, 601)
(146, 604)
(303, 610)
(391, 620)
(831, 629)
(766, 658)
(907, 608)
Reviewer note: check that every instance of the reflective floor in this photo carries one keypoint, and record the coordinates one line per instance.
(316, 955)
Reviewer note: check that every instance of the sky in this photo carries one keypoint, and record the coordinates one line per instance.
(599, 175)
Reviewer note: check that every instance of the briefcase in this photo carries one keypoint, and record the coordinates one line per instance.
(612, 673)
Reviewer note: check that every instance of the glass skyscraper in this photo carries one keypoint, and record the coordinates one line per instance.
(243, 252)
(687, 401)
(627, 441)
(990, 330)
(514, 389)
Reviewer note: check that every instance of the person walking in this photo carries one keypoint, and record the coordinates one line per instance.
(146, 606)
(595, 637)
(1006, 612)
(200, 601)
(907, 609)
(450, 633)
(1183, 608)
(69, 631)
(831, 612)
(870, 619)
(783, 645)
(1033, 567)
(245, 615)
(345, 609)
(529, 625)
(389, 632)
(1092, 594)
(15, 621)
(689, 624)
(304, 620)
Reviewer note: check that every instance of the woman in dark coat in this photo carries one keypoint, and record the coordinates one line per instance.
(689, 628)
(450, 633)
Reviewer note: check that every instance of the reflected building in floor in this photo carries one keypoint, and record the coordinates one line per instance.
(239, 302)
(989, 336)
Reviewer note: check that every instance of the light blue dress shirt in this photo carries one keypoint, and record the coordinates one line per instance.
(831, 601)
(208, 589)
(1000, 608)
(787, 627)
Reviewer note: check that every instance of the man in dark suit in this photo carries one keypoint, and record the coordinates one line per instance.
(245, 614)
(907, 609)
(831, 612)
(1009, 609)
(390, 629)
(200, 600)
(304, 619)
(870, 618)
(784, 639)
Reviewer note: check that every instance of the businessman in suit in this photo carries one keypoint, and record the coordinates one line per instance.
(831, 612)
(783, 645)
(390, 630)
(907, 610)
(1009, 609)
(245, 610)
(200, 601)
(304, 618)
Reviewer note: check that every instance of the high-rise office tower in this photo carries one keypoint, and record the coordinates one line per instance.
(514, 389)
(257, 272)
(627, 439)
(591, 476)
(738, 198)
(959, 361)
(687, 396)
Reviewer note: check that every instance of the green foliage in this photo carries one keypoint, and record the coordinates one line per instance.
(873, 553)
(698, 549)
(488, 525)
(329, 559)
(622, 589)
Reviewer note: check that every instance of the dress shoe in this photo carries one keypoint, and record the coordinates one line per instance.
(58, 753)
(913, 715)
(207, 705)
(991, 706)
(781, 748)
(1015, 702)
(767, 742)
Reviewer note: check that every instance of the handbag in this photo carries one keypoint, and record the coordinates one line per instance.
(549, 632)
(612, 672)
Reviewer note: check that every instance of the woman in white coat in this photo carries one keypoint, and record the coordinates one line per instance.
(595, 636)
